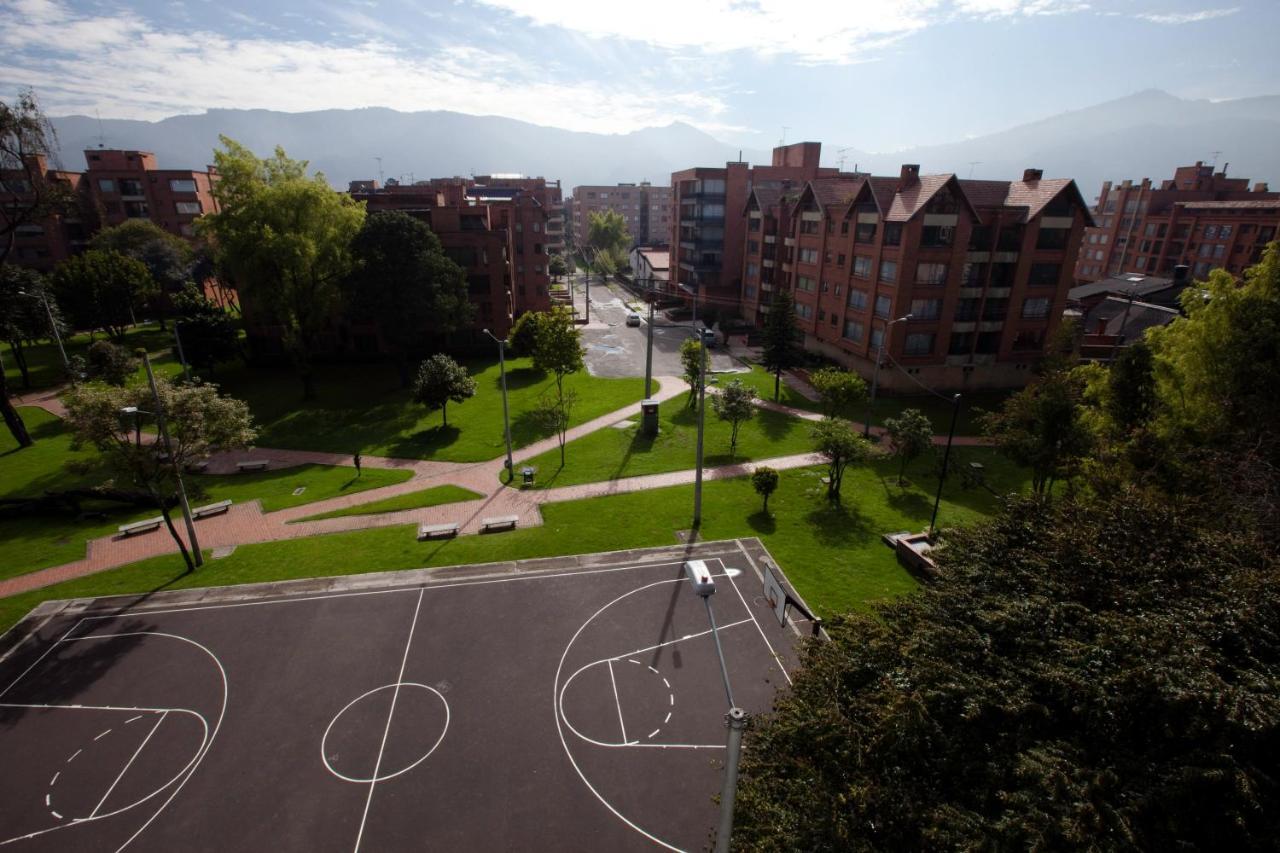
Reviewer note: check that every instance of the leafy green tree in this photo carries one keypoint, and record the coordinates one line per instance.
(1132, 384)
(524, 334)
(285, 240)
(1084, 675)
(440, 380)
(736, 405)
(910, 434)
(557, 266)
(558, 351)
(764, 480)
(693, 362)
(199, 421)
(23, 318)
(209, 334)
(101, 289)
(554, 414)
(780, 349)
(1041, 427)
(404, 283)
(839, 389)
(840, 445)
(607, 232)
(167, 257)
(109, 363)
(25, 133)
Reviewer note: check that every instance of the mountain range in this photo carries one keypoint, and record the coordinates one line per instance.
(1142, 135)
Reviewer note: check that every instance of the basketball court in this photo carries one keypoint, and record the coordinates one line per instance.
(569, 703)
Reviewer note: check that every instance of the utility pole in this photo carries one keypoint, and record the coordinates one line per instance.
(702, 412)
(946, 458)
(196, 555)
(53, 327)
(648, 352)
(186, 370)
(506, 416)
(875, 374)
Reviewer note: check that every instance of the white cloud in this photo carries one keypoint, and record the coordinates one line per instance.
(1186, 17)
(127, 68)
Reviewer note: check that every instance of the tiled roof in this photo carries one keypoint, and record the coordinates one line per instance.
(766, 197)
(1251, 204)
(908, 202)
(1136, 284)
(835, 192)
(1034, 195)
(883, 190)
(1115, 313)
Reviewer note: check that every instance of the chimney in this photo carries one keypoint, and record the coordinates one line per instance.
(1261, 187)
(1032, 175)
(909, 176)
(1181, 273)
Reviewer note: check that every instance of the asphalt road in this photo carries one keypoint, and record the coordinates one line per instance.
(615, 349)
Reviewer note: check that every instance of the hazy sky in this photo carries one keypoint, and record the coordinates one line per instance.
(877, 74)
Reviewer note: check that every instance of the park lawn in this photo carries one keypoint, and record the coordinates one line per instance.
(832, 554)
(37, 542)
(435, 496)
(938, 410)
(363, 407)
(761, 381)
(610, 454)
(45, 362)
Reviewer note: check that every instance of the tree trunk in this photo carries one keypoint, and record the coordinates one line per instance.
(902, 470)
(12, 419)
(777, 385)
(173, 531)
(444, 413)
(20, 358)
(766, 503)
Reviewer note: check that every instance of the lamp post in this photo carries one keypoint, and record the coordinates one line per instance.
(506, 417)
(702, 412)
(182, 357)
(946, 458)
(648, 352)
(196, 556)
(875, 374)
(66, 363)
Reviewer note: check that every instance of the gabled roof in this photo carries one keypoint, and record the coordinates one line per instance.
(834, 192)
(764, 197)
(1135, 284)
(1114, 313)
(909, 201)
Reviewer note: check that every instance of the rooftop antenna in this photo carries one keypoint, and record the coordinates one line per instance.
(840, 159)
(379, 159)
(973, 163)
(1216, 155)
(783, 141)
(102, 136)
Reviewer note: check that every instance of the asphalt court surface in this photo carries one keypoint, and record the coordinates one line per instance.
(573, 706)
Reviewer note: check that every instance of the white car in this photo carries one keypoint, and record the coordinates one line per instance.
(633, 319)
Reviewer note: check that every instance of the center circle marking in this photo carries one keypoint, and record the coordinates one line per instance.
(382, 777)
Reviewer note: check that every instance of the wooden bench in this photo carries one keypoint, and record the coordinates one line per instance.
(211, 509)
(253, 465)
(437, 531)
(499, 522)
(197, 467)
(144, 526)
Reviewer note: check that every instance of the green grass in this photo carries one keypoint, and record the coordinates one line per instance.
(414, 500)
(363, 408)
(36, 542)
(45, 363)
(609, 454)
(762, 381)
(831, 553)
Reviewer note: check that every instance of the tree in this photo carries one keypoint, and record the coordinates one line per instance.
(693, 361)
(840, 445)
(1084, 675)
(1041, 428)
(910, 434)
(736, 404)
(779, 349)
(839, 389)
(404, 283)
(209, 334)
(524, 334)
(557, 266)
(167, 257)
(199, 421)
(101, 290)
(607, 232)
(559, 351)
(554, 414)
(440, 380)
(285, 240)
(26, 137)
(109, 363)
(1132, 384)
(765, 482)
(23, 318)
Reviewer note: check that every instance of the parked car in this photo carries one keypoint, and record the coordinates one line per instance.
(633, 319)
(709, 337)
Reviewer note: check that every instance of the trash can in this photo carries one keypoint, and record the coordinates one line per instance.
(526, 475)
(649, 417)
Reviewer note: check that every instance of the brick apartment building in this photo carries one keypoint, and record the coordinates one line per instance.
(497, 234)
(646, 209)
(983, 267)
(1200, 218)
(117, 186)
(42, 244)
(708, 235)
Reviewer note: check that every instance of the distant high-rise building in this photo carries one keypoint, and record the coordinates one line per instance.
(1200, 218)
(646, 209)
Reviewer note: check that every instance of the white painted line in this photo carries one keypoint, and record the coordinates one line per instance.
(667, 718)
(390, 715)
(324, 757)
(131, 719)
(655, 731)
(668, 683)
(55, 814)
(617, 702)
(127, 765)
(104, 734)
(73, 755)
(767, 644)
(672, 697)
(655, 672)
(46, 801)
(36, 662)
(54, 780)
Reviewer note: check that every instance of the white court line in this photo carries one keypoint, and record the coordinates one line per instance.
(136, 753)
(390, 715)
(37, 661)
(101, 736)
(768, 645)
(617, 702)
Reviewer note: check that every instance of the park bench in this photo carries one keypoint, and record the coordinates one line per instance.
(197, 467)
(144, 526)
(211, 509)
(253, 465)
(437, 531)
(499, 522)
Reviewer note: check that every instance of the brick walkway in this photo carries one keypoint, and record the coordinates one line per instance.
(246, 523)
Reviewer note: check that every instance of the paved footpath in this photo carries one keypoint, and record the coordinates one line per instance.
(246, 523)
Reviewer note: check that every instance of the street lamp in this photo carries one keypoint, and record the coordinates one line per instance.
(702, 412)
(875, 374)
(946, 458)
(66, 363)
(182, 357)
(137, 423)
(506, 417)
(648, 352)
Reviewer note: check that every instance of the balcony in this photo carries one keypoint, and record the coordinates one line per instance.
(767, 263)
(702, 195)
(963, 326)
(787, 266)
(789, 242)
(991, 325)
(998, 292)
(770, 238)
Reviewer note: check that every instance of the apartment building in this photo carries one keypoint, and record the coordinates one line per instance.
(42, 243)
(646, 209)
(546, 192)
(708, 236)
(982, 267)
(1200, 218)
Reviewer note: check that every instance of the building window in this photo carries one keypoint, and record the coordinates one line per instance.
(1044, 274)
(136, 209)
(182, 185)
(857, 299)
(803, 282)
(537, 227)
(888, 270)
(804, 312)
(919, 343)
(865, 232)
(808, 226)
(187, 208)
(861, 266)
(1052, 238)
(926, 309)
(1036, 308)
(753, 246)
(1211, 232)
(935, 236)
(995, 309)
(967, 309)
(893, 233)
(854, 330)
(808, 256)
(877, 337)
(29, 229)
(106, 185)
(1224, 231)
(988, 343)
(129, 187)
(931, 273)
(1029, 340)
(749, 291)
(753, 270)
(961, 343)
(839, 260)
(883, 305)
